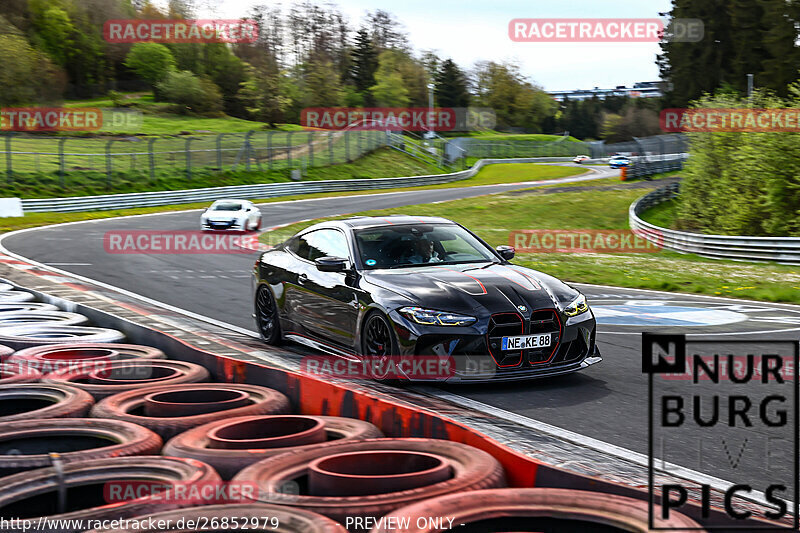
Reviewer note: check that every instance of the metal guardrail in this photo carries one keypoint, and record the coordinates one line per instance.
(265, 190)
(739, 248)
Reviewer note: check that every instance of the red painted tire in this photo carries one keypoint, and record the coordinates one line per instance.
(24, 401)
(257, 518)
(471, 469)
(5, 352)
(541, 509)
(22, 491)
(196, 443)
(76, 356)
(26, 444)
(18, 373)
(191, 398)
(128, 374)
(19, 337)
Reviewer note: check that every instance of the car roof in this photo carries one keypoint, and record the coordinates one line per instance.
(231, 200)
(361, 222)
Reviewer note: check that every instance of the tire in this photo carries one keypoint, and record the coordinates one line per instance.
(378, 359)
(8, 297)
(24, 401)
(266, 311)
(195, 443)
(257, 517)
(18, 373)
(74, 439)
(472, 469)
(19, 337)
(129, 374)
(25, 318)
(21, 491)
(263, 401)
(545, 509)
(5, 352)
(94, 356)
(26, 306)
(6, 287)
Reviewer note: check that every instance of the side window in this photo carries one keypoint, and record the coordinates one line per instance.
(321, 243)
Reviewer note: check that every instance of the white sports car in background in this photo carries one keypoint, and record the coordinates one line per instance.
(238, 215)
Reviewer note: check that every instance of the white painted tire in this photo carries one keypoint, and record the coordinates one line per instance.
(26, 318)
(15, 296)
(19, 337)
(17, 307)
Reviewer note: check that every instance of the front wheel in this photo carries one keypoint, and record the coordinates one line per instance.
(267, 320)
(379, 347)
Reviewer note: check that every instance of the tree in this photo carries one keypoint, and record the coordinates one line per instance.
(364, 62)
(263, 95)
(451, 86)
(322, 85)
(27, 75)
(192, 94)
(151, 62)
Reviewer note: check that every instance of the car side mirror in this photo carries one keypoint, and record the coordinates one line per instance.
(331, 264)
(506, 252)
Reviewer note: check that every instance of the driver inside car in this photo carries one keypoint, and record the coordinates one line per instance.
(424, 253)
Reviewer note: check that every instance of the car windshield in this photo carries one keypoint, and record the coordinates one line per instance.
(411, 245)
(227, 206)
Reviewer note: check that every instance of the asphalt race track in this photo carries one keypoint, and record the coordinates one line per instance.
(607, 402)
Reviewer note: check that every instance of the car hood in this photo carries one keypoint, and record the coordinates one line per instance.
(467, 288)
(223, 215)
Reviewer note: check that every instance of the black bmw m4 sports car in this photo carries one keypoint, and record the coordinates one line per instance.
(407, 287)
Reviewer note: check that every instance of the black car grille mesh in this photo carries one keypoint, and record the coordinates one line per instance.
(511, 324)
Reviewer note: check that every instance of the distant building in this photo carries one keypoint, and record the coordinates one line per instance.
(642, 89)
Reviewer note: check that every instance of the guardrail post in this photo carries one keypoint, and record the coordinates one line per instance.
(152, 158)
(9, 171)
(109, 168)
(61, 165)
(188, 158)
(330, 147)
(219, 150)
(311, 149)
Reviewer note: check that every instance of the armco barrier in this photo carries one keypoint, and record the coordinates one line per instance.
(263, 190)
(779, 249)
(314, 396)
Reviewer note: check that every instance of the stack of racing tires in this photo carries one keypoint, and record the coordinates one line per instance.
(100, 435)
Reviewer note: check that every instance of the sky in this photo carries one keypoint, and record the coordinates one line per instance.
(468, 31)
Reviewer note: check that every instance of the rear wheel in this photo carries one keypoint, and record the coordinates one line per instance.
(267, 321)
(379, 347)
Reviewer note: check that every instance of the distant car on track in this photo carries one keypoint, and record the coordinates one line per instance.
(580, 158)
(402, 286)
(619, 161)
(236, 215)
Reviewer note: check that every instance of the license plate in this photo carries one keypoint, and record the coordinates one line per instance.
(527, 342)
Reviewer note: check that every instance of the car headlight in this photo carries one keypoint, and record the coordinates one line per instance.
(577, 306)
(436, 318)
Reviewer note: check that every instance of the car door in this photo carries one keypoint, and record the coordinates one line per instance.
(326, 303)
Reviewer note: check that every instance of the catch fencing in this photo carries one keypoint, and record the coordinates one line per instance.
(29, 157)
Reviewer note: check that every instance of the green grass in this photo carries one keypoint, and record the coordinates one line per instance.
(662, 215)
(494, 217)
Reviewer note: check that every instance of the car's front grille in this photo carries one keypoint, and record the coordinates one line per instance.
(511, 324)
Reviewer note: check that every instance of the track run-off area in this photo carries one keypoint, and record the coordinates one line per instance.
(603, 407)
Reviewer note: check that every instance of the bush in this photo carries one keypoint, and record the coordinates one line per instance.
(742, 183)
(192, 94)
